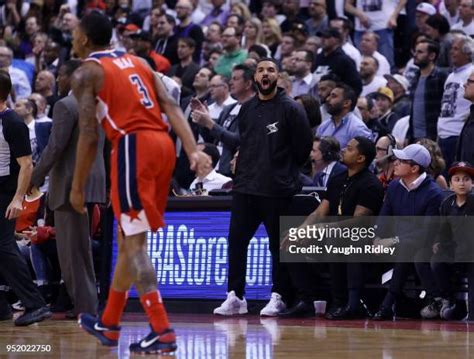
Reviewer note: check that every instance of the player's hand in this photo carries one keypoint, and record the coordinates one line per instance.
(200, 163)
(77, 201)
(14, 208)
(436, 248)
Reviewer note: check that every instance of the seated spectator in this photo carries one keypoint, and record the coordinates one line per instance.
(185, 71)
(345, 27)
(384, 159)
(21, 84)
(271, 34)
(332, 59)
(286, 47)
(233, 53)
(142, 46)
(304, 82)
(454, 247)
(325, 157)
(368, 74)
(413, 193)
(252, 34)
(437, 165)
(423, 11)
(187, 28)
(312, 107)
(370, 115)
(399, 86)
(45, 84)
(384, 101)
(219, 89)
(368, 47)
(236, 21)
(325, 85)
(165, 41)
(318, 20)
(210, 180)
(343, 124)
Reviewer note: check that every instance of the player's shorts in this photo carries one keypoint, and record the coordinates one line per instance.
(141, 167)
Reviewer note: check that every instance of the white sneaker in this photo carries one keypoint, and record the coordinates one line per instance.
(232, 305)
(274, 306)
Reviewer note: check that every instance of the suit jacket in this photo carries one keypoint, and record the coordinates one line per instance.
(59, 157)
(42, 130)
(336, 170)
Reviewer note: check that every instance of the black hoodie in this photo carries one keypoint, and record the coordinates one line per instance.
(275, 141)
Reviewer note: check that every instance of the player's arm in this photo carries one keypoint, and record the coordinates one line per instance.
(199, 161)
(86, 82)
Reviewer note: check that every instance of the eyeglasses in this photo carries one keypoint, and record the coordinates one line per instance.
(408, 162)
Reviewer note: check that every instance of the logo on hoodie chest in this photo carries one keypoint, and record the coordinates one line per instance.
(272, 128)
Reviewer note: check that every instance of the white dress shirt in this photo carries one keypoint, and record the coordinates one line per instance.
(212, 181)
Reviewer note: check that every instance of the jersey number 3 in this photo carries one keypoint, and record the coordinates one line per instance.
(142, 90)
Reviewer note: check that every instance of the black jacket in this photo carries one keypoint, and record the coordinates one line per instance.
(338, 63)
(275, 141)
(465, 149)
(434, 88)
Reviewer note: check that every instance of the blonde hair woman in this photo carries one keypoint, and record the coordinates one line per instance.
(242, 10)
(271, 34)
(253, 33)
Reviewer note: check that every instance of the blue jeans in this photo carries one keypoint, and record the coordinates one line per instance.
(44, 259)
(448, 149)
(385, 43)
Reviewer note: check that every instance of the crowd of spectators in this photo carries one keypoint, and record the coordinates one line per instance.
(394, 72)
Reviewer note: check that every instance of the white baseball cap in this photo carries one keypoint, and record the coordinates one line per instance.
(426, 8)
(402, 80)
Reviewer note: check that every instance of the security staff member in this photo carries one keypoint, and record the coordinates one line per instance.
(15, 172)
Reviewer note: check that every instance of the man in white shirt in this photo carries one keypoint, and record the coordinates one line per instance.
(378, 16)
(219, 90)
(26, 109)
(368, 47)
(304, 82)
(211, 179)
(20, 81)
(368, 74)
(41, 105)
(466, 18)
(454, 107)
(345, 26)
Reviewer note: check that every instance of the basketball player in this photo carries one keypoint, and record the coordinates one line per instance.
(122, 93)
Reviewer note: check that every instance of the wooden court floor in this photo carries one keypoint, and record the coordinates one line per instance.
(209, 337)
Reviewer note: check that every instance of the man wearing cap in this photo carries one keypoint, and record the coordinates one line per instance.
(368, 74)
(399, 86)
(465, 149)
(423, 12)
(454, 246)
(142, 47)
(384, 101)
(413, 193)
(333, 60)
